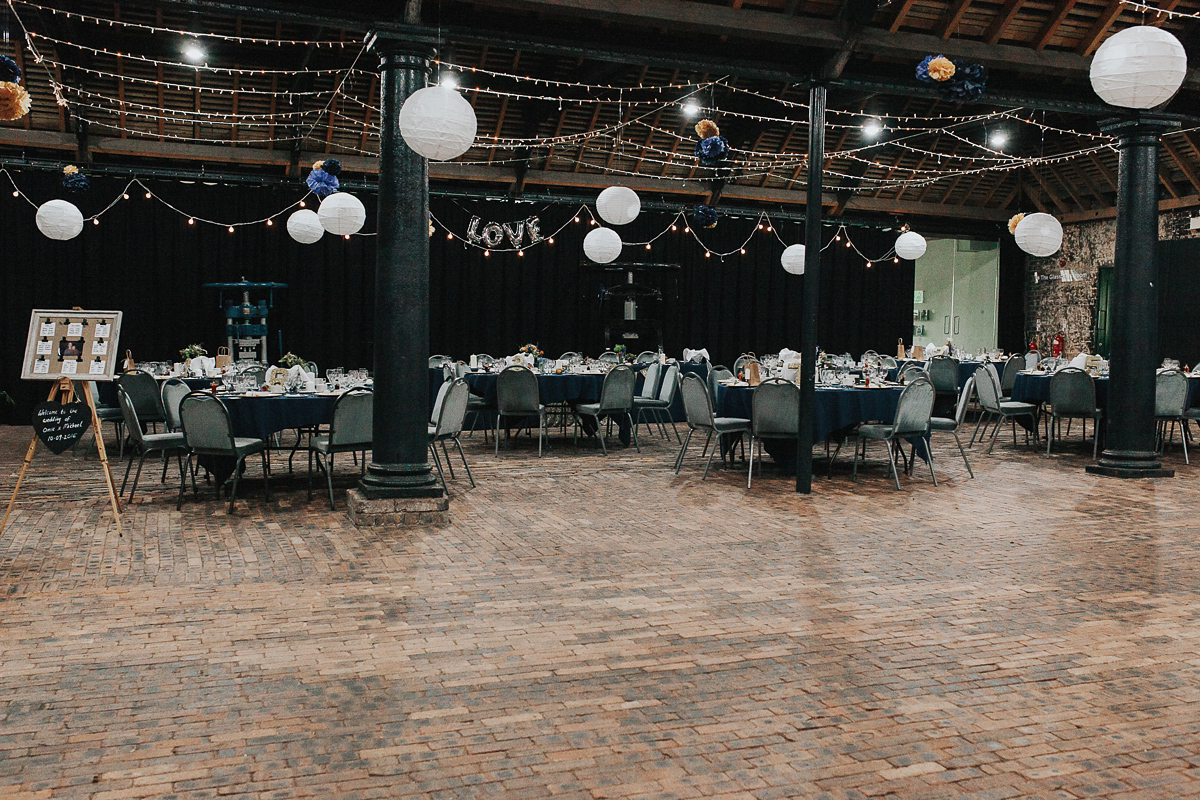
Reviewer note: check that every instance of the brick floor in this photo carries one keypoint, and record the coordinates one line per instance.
(601, 628)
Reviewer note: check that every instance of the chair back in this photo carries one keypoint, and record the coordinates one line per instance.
(987, 390)
(964, 400)
(914, 408)
(94, 391)
(205, 423)
(1049, 364)
(1011, 368)
(517, 391)
(776, 405)
(943, 373)
(609, 357)
(670, 383)
(129, 412)
(889, 362)
(991, 368)
(256, 371)
(617, 392)
(173, 392)
(352, 417)
(696, 402)
(911, 370)
(1072, 391)
(743, 360)
(650, 384)
(570, 354)
(484, 360)
(437, 403)
(447, 371)
(715, 375)
(143, 391)
(312, 369)
(453, 409)
(1170, 393)
(437, 361)
(646, 357)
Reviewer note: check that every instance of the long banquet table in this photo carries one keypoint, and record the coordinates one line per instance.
(1035, 389)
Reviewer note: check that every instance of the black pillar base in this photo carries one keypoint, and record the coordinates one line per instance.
(400, 480)
(1130, 464)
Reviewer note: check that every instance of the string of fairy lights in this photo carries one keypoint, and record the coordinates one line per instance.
(637, 109)
(762, 224)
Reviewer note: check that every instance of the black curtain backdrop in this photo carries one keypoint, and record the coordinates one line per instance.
(1178, 279)
(1010, 324)
(146, 260)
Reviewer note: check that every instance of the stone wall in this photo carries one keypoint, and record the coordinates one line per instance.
(1060, 291)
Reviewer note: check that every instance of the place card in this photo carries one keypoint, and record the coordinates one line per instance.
(75, 329)
(102, 330)
(97, 367)
(44, 347)
(99, 348)
(47, 329)
(41, 366)
(70, 367)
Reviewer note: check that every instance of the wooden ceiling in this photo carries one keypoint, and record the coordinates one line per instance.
(131, 100)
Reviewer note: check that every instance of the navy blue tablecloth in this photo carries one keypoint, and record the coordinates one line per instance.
(835, 411)
(1036, 389)
(966, 369)
(260, 417)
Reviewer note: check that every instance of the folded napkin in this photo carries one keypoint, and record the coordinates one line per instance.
(202, 366)
(1079, 361)
(787, 356)
(695, 355)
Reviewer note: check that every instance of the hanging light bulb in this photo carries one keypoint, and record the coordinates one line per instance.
(743, 251)
(270, 223)
(837, 237)
(848, 243)
(707, 254)
(302, 204)
(230, 229)
(148, 195)
(550, 240)
(647, 245)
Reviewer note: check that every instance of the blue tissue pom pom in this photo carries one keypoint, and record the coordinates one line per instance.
(712, 151)
(76, 183)
(332, 166)
(706, 217)
(9, 71)
(322, 183)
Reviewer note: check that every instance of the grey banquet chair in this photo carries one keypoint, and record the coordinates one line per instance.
(350, 431)
(911, 420)
(209, 432)
(1073, 396)
(146, 443)
(776, 414)
(255, 372)
(437, 361)
(743, 360)
(1170, 406)
(143, 391)
(616, 400)
(943, 373)
(716, 375)
(988, 392)
(888, 362)
(447, 426)
(173, 392)
(952, 425)
(700, 417)
(610, 357)
(910, 370)
(1011, 368)
(570, 355)
(517, 395)
(650, 381)
(660, 406)
(646, 357)
(105, 413)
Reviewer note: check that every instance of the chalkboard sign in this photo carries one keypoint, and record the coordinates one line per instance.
(60, 425)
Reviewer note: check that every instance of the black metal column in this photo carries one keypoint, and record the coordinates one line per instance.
(400, 466)
(812, 287)
(1130, 450)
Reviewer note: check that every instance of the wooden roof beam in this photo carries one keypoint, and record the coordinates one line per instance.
(1007, 14)
(1057, 16)
(1181, 160)
(953, 16)
(1046, 188)
(1091, 40)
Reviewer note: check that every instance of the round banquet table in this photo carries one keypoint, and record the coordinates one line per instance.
(567, 388)
(966, 369)
(1035, 389)
(835, 414)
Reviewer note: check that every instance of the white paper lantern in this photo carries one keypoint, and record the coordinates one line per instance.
(1039, 235)
(910, 245)
(602, 245)
(1140, 67)
(793, 259)
(305, 226)
(59, 219)
(342, 214)
(618, 205)
(437, 123)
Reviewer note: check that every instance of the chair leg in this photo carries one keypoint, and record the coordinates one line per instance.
(964, 453)
(601, 435)
(310, 466)
(237, 470)
(892, 465)
(995, 431)
(463, 456)
(860, 444)
(683, 449)
(750, 474)
(636, 446)
(437, 462)
(266, 476)
(928, 452)
(128, 467)
(541, 431)
(1050, 437)
(497, 435)
(708, 463)
(182, 483)
(329, 479)
(448, 464)
(136, 475)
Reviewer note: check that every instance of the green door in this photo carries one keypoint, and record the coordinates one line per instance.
(1103, 327)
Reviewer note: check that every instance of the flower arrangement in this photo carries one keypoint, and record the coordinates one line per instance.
(290, 360)
(192, 351)
(620, 350)
(531, 350)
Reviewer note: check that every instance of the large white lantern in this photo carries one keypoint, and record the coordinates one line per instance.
(1039, 234)
(59, 219)
(602, 245)
(618, 205)
(437, 123)
(305, 226)
(342, 214)
(1140, 67)
(910, 245)
(793, 259)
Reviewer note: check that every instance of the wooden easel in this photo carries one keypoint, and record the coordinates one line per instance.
(64, 391)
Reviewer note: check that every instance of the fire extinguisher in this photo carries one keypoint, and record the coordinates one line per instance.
(1057, 349)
